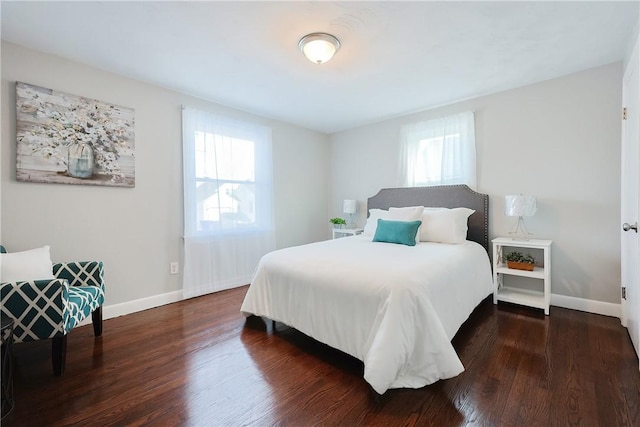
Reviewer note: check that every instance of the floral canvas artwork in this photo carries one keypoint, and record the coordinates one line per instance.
(68, 139)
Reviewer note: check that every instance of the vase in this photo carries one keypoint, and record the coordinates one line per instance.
(81, 160)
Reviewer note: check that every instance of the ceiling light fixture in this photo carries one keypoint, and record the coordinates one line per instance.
(319, 47)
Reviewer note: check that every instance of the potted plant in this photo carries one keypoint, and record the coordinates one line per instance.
(338, 222)
(518, 261)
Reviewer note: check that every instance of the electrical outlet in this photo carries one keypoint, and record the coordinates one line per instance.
(174, 267)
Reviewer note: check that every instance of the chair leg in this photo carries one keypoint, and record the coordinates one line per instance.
(59, 354)
(96, 318)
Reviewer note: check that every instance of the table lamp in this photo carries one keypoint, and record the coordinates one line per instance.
(520, 206)
(350, 207)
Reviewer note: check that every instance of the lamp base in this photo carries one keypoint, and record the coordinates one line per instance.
(520, 232)
(350, 221)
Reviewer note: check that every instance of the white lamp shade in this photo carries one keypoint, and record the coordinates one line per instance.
(350, 206)
(519, 205)
(319, 47)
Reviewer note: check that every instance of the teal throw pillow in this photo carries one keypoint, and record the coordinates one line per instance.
(402, 232)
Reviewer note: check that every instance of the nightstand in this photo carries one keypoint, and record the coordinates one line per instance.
(344, 232)
(539, 297)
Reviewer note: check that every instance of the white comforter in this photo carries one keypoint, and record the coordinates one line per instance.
(394, 307)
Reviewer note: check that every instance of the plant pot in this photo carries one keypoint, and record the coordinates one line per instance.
(520, 265)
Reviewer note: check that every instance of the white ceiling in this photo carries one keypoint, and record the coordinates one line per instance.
(396, 57)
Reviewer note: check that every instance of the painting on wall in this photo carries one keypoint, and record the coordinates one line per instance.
(69, 139)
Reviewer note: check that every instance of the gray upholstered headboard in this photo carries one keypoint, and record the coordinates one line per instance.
(446, 196)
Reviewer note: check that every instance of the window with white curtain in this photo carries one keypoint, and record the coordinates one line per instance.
(228, 213)
(439, 152)
(225, 183)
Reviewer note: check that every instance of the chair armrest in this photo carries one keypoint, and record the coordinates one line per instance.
(38, 307)
(83, 273)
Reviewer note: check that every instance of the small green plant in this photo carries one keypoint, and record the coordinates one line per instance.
(519, 257)
(337, 221)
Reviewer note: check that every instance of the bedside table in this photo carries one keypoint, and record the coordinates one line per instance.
(344, 232)
(539, 297)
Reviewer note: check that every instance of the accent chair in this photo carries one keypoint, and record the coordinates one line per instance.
(50, 309)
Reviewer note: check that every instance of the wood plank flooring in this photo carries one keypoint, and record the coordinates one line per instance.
(196, 363)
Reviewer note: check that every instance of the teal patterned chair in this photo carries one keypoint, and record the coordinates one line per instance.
(43, 309)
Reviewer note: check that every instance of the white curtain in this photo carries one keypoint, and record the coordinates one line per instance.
(228, 212)
(439, 152)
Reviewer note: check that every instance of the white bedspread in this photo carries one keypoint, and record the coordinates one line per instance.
(394, 307)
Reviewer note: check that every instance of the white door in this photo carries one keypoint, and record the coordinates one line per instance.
(629, 201)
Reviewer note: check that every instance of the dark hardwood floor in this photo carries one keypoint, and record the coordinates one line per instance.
(196, 363)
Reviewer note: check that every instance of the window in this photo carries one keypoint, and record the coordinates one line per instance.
(229, 183)
(439, 152)
(225, 182)
(228, 214)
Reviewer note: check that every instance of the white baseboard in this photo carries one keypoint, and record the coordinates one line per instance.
(116, 310)
(588, 305)
(564, 301)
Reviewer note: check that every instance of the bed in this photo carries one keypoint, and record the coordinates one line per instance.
(394, 307)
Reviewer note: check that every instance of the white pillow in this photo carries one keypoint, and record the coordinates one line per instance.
(445, 225)
(34, 264)
(412, 213)
(372, 222)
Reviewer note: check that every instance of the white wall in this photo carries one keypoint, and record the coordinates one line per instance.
(631, 43)
(558, 140)
(137, 232)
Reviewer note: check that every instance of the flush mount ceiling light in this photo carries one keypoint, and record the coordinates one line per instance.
(319, 47)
